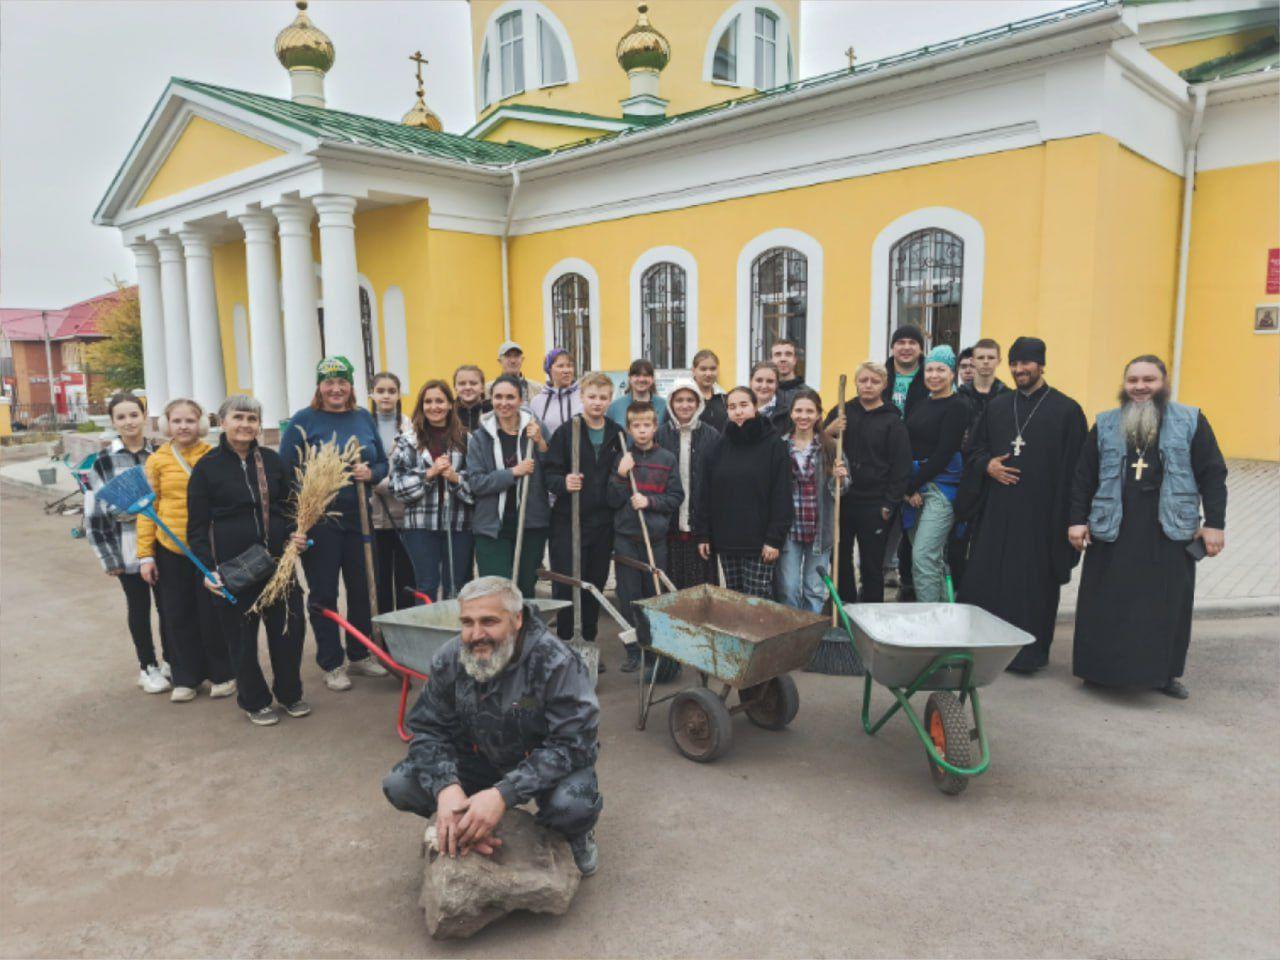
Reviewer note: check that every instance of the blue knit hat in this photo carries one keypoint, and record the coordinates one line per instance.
(942, 354)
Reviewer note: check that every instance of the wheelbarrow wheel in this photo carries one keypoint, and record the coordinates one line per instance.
(700, 724)
(947, 724)
(773, 704)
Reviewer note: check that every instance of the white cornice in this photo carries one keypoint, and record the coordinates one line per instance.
(515, 112)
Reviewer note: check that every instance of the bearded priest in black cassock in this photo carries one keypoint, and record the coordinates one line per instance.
(1027, 443)
(1135, 510)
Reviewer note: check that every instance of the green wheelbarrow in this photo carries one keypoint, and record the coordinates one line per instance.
(948, 649)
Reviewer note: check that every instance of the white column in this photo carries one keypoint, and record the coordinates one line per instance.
(265, 332)
(151, 308)
(341, 288)
(208, 381)
(177, 334)
(298, 290)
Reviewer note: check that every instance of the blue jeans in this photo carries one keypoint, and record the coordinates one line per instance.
(430, 555)
(929, 545)
(796, 576)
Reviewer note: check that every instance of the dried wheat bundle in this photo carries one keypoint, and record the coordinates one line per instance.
(322, 472)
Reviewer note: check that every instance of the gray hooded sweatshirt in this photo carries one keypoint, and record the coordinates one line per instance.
(491, 483)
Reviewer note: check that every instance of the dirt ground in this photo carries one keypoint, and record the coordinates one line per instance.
(1122, 825)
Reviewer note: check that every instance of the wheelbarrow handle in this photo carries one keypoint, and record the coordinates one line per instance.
(419, 594)
(638, 564)
(368, 644)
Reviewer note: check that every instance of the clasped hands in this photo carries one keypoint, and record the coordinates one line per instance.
(443, 466)
(464, 824)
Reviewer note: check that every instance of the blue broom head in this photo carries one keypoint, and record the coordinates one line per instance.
(128, 492)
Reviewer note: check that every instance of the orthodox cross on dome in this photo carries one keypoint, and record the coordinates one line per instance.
(421, 61)
(851, 55)
(420, 114)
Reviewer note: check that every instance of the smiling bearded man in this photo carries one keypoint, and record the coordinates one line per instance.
(1135, 509)
(509, 715)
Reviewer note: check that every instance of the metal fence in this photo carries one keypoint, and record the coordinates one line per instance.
(46, 417)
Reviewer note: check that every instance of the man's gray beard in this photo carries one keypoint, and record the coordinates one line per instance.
(1140, 422)
(483, 671)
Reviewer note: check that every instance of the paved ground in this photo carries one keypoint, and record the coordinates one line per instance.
(1120, 825)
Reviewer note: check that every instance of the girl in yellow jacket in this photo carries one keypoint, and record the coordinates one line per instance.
(197, 647)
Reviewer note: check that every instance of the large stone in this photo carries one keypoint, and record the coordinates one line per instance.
(532, 870)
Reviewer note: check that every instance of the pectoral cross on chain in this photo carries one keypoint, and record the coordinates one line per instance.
(1139, 465)
(1018, 444)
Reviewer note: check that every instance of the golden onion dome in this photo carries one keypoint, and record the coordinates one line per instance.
(303, 44)
(420, 115)
(643, 47)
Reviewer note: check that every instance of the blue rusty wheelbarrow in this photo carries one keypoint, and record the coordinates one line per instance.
(745, 644)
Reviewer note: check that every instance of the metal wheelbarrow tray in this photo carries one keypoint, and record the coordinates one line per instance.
(942, 647)
(415, 635)
(746, 643)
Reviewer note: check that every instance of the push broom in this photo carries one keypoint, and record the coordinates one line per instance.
(129, 492)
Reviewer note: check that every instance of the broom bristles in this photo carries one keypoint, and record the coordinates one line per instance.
(125, 491)
(322, 473)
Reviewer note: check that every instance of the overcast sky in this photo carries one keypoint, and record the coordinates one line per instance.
(79, 77)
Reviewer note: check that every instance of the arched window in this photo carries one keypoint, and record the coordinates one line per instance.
(571, 316)
(779, 300)
(525, 47)
(750, 46)
(663, 313)
(926, 274)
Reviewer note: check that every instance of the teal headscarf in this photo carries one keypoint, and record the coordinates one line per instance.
(942, 354)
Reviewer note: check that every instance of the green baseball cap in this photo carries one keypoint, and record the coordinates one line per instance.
(335, 368)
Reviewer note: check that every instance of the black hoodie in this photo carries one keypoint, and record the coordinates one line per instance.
(878, 448)
(746, 501)
(978, 401)
(596, 468)
(224, 507)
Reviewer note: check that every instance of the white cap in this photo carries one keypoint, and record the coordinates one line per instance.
(507, 347)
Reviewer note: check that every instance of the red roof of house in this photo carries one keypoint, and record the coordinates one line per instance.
(78, 320)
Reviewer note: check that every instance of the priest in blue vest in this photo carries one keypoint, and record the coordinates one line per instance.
(1146, 471)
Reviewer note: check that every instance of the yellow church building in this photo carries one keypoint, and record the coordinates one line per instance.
(654, 181)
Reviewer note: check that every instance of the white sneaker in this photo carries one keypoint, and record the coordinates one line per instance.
(153, 681)
(368, 667)
(165, 671)
(219, 690)
(337, 679)
(182, 695)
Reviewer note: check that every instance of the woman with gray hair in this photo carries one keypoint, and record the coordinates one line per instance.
(237, 499)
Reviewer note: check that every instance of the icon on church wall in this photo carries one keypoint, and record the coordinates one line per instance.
(1266, 318)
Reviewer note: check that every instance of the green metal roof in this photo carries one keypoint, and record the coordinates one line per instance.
(1258, 57)
(551, 113)
(342, 127)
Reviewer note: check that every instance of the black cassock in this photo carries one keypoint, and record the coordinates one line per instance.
(1020, 556)
(1133, 621)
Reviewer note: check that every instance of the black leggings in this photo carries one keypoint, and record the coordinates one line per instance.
(864, 524)
(394, 571)
(137, 599)
(186, 610)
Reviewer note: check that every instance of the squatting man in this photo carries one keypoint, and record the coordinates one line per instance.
(509, 715)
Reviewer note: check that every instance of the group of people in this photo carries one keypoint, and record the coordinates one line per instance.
(958, 485)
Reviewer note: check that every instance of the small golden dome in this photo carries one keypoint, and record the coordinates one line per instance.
(643, 47)
(303, 44)
(420, 115)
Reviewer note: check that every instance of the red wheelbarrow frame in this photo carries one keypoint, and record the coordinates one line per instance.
(404, 673)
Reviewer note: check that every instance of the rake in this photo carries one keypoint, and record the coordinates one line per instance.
(129, 492)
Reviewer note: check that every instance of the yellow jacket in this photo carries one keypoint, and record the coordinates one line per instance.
(169, 480)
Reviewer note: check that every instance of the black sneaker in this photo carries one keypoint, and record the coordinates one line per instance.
(299, 709)
(585, 852)
(266, 717)
(1175, 689)
(632, 663)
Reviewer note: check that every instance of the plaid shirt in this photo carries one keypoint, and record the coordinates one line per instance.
(804, 492)
(113, 535)
(421, 497)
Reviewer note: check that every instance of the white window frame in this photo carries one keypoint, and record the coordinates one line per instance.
(516, 45)
(759, 78)
(574, 265)
(745, 13)
(969, 230)
(685, 260)
(812, 249)
(531, 12)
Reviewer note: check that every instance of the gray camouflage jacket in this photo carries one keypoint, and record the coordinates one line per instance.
(536, 721)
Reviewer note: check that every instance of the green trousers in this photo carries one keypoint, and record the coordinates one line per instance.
(495, 555)
(929, 545)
